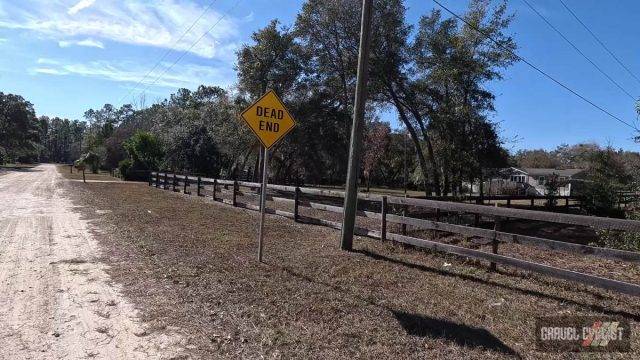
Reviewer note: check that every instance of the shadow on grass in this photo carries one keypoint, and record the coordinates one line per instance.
(592, 307)
(462, 335)
(422, 326)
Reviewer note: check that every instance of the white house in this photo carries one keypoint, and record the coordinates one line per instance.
(529, 181)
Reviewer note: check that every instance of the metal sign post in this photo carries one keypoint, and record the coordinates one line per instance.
(263, 199)
(270, 121)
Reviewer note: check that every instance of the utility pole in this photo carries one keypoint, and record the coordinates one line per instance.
(351, 194)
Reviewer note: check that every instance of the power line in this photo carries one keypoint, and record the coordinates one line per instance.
(600, 42)
(191, 47)
(579, 51)
(535, 67)
(168, 50)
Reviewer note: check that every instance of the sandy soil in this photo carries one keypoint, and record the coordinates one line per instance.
(56, 299)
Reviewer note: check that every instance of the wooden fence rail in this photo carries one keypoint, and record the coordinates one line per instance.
(228, 191)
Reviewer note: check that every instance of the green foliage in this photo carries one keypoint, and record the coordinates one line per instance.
(564, 156)
(90, 159)
(552, 188)
(61, 139)
(145, 150)
(193, 150)
(606, 177)
(19, 130)
(623, 240)
(272, 62)
(123, 167)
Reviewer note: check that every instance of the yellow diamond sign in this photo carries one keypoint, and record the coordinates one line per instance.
(269, 119)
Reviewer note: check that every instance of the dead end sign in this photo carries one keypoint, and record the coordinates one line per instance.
(269, 119)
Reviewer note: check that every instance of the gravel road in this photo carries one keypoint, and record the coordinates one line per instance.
(56, 300)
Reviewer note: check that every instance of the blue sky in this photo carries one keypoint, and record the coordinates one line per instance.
(67, 56)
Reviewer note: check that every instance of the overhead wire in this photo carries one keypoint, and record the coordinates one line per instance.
(579, 51)
(191, 47)
(169, 51)
(530, 64)
(600, 42)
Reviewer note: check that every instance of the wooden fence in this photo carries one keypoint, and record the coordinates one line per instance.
(554, 201)
(393, 210)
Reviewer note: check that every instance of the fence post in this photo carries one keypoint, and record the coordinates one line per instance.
(566, 204)
(158, 179)
(150, 178)
(494, 243)
(404, 214)
(166, 181)
(199, 182)
(186, 182)
(509, 203)
(296, 204)
(383, 222)
(235, 192)
(533, 202)
(71, 169)
(215, 185)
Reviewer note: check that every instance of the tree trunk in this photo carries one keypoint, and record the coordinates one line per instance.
(434, 168)
(414, 137)
(419, 119)
(447, 183)
(256, 172)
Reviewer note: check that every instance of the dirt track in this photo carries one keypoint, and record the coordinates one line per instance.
(56, 300)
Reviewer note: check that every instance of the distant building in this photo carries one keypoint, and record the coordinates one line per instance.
(529, 181)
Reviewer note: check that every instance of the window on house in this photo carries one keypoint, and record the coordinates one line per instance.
(541, 180)
(517, 178)
(562, 178)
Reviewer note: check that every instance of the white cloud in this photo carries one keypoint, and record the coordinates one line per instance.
(82, 4)
(85, 42)
(138, 22)
(45, 61)
(187, 75)
(2, 40)
(48, 71)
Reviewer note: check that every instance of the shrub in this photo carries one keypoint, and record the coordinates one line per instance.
(90, 159)
(552, 187)
(124, 166)
(145, 150)
(626, 240)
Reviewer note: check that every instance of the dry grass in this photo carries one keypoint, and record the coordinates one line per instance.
(190, 263)
(77, 175)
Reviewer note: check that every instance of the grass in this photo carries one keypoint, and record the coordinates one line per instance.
(75, 174)
(190, 263)
(17, 166)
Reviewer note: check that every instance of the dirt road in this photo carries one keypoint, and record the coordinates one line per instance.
(56, 301)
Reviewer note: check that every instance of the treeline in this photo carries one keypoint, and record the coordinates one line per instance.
(26, 138)
(617, 167)
(432, 74)
(20, 130)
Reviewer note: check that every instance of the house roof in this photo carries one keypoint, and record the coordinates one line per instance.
(547, 171)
